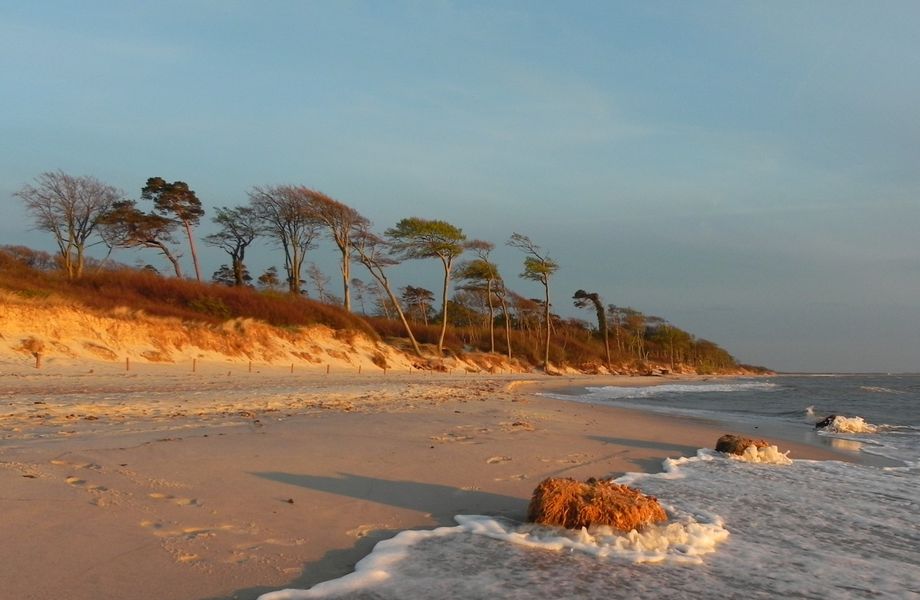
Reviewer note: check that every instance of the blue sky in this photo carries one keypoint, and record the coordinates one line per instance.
(747, 170)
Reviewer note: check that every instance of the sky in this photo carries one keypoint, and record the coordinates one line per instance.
(746, 170)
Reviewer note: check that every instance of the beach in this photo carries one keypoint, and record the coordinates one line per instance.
(217, 484)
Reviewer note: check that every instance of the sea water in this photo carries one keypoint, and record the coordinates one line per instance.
(762, 526)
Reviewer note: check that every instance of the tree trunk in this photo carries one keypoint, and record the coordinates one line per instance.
(491, 318)
(191, 247)
(546, 320)
(447, 265)
(169, 255)
(507, 324)
(346, 277)
(383, 281)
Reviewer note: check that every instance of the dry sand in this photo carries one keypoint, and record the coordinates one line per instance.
(164, 485)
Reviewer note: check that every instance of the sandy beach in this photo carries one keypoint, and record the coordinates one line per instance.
(224, 484)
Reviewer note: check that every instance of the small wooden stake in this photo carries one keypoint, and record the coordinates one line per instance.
(127, 363)
(327, 369)
(250, 366)
(292, 367)
(359, 369)
(194, 365)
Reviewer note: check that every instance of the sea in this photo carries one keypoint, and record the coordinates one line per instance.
(762, 526)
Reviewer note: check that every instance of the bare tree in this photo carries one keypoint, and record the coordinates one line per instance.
(176, 199)
(70, 208)
(537, 267)
(320, 281)
(125, 226)
(285, 213)
(373, 252)
(239, 227)
(341, 222)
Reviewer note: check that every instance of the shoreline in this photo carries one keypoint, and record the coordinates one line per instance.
(211, 487)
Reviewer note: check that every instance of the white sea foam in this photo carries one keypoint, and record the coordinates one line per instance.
(765, 455)
(812, 528)
(851, 425)
(682, 539)
(613, 392)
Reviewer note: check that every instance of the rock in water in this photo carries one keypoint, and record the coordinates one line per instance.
(826, 422)
(573, 504)
(736, 444)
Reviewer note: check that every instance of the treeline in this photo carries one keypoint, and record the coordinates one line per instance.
(482, 313)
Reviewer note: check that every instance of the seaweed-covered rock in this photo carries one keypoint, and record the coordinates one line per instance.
(573, 504)
(826, 422)
(737, 444)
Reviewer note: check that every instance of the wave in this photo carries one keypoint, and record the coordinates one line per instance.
(765, 455)
(880, 390)
(617, 392)
(841, 424)
(684, 540)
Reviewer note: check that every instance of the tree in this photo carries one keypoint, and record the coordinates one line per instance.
(537, 267)
(422, 238)
(320, 281)
(178, 200)
(239, 227)
(360, 293)
(227, 275)
(70, 208)
(342, 222)
(126, 226)
(372, 252)
(284, 211)
(418, 300)
(269, 279)
(582, 300)
(483, 273)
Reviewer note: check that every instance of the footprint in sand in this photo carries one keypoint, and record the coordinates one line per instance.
(517, 477)
(174, 499)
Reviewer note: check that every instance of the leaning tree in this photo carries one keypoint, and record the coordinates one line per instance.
(341, 222)
(373, 252)
(537, 267)
(585, 299)
(176, 200)
(126, 226)
(415, 238)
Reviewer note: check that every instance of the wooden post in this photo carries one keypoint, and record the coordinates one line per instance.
(292, 367)
(194, 365)
(327, 369)
(250, 366)
(359, 369)
(127, 363)
(38, 360)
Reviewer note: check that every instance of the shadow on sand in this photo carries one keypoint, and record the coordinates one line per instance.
(442, 502)
(648, 464)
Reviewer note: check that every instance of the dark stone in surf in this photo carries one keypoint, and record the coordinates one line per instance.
(736, 444)
(827, 422)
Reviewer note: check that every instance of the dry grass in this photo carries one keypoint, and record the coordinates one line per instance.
(573, 504)
(112, 291)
